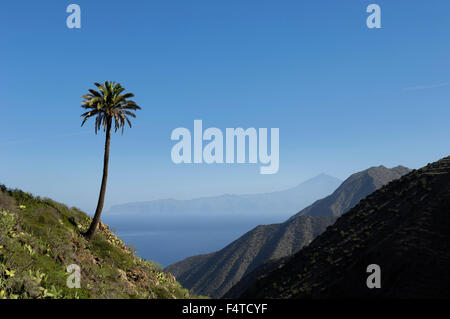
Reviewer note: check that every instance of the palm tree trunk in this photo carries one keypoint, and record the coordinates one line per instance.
(101, 199)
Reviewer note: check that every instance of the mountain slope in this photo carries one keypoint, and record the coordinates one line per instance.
(39, 238)
(404, 228)
(218, 211)
(354, 188)
(214, 274)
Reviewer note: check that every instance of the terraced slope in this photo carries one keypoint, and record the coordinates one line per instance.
(404, 228)
(214, 274)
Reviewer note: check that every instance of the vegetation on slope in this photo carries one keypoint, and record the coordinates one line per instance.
(352, 190)
(216, 273)
(404, 228)
(39, 238)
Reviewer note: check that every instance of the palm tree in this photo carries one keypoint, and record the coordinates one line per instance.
(107, 104)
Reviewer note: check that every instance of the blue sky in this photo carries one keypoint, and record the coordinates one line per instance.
(344, 97)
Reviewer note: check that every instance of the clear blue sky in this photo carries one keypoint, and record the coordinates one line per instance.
(344, 97)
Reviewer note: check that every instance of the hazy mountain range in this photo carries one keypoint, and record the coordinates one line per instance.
(220, 211)
(404, 228)
(215, 273)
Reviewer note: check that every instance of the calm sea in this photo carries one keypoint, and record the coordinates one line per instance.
(169, 246)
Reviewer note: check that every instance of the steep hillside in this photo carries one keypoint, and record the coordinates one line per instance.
(404, 228)
(250, 278)
(354, 188)
(39, 238)
(214, 274)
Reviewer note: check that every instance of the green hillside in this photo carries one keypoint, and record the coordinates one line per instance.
(39, 238)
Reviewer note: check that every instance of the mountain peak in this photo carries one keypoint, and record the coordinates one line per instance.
(403, 228)
(353, 189)
(215, 274)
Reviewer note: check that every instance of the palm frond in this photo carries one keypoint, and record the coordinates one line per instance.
(108, 104)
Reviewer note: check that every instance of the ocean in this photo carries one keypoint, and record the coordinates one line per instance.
(169, 246)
